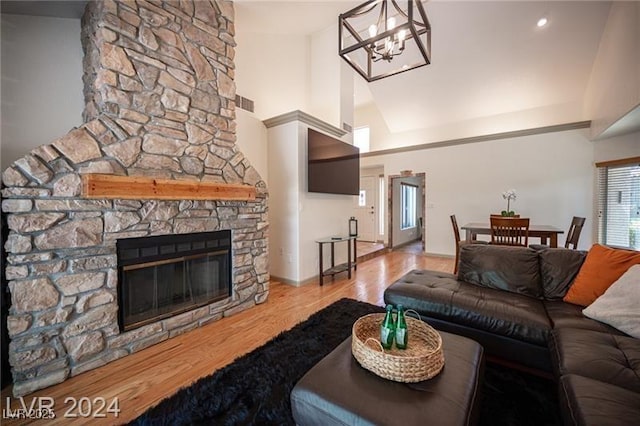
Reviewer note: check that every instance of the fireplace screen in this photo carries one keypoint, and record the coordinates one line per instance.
(164, 276)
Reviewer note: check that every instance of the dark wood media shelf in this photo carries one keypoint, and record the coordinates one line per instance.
(343, 267)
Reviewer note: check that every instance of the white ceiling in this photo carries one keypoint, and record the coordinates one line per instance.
(290, 16)
(488, 57)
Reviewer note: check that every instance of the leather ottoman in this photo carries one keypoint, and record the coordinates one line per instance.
(338, 391)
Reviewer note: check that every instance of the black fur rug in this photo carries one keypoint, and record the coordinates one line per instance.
(255, 388)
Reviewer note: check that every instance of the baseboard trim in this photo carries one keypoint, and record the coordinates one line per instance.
(442, 255)
(295, 283)
(399, 246)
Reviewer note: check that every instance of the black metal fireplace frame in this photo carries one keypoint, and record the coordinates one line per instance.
(132, 251)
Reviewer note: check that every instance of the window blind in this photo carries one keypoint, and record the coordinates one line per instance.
(619, 203)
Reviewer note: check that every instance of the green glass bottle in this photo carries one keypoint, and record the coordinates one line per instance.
(387, 329)
(401, 329)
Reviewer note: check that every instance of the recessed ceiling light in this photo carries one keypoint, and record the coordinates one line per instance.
(542, 22)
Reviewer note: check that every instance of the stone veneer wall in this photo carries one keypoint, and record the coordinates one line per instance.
(159, 102)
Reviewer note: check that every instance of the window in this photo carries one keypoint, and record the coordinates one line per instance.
(381, 204)
(361, 138)
(408, 195)
(619, 203)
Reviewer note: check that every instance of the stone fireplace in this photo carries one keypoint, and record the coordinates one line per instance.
(162, 276)
(159, 92)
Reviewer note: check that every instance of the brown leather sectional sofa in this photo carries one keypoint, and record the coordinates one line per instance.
(510, 300)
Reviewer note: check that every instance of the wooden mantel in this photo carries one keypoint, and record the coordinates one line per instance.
(145, 188)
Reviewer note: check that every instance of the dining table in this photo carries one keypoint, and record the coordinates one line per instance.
(544, 232)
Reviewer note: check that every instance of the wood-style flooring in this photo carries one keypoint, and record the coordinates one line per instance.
(143, 379)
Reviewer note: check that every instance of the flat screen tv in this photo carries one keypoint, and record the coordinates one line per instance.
(333, 166)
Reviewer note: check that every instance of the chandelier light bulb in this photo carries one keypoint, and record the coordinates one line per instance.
(390, 45)
(373, 30)
(401, 35)
(542, 22)
(391, 23)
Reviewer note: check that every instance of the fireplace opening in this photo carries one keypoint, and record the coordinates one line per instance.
(166, 275)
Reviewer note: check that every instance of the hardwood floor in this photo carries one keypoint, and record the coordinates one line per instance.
(141, 380)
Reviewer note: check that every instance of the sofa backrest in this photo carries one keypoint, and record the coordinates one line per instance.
(513, 269)
(558, 268)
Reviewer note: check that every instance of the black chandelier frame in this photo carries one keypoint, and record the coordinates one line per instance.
(413, 30)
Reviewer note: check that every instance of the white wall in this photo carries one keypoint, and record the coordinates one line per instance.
(614, 86)
(331, 80)
(383, 138)
(298, 218)
(617, 148)
(552, 173)
(252, 141)
(41, 82)
(273, 71)
(284, 198)
(325, 76)
(321, 216)
(369, 115)
(283, 73)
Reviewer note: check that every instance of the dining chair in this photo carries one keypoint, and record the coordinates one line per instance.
(509, 231)
(459, 242)
(573, 235)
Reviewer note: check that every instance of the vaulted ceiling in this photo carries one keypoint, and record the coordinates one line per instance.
(489, 58)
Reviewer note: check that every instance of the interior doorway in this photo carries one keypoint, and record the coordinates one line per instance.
(407, 209)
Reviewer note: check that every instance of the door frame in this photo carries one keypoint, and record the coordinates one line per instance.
(422, 176)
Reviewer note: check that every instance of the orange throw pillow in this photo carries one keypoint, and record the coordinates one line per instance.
(602, 267)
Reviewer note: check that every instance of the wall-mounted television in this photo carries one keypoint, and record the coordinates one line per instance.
(333, 166)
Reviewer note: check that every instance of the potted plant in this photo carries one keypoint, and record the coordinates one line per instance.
(509, 195)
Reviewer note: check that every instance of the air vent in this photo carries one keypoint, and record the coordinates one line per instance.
(244, 103)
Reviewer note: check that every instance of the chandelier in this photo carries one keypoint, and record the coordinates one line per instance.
(381, 38)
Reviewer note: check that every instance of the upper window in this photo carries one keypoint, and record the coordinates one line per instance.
(361, 137)
(381, 201)
(408, 196)
(619, 203)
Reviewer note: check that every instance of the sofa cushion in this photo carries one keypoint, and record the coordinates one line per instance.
(589, 402)
(568, 315)
(439, 295)
(601, 356)
(602, 267)
(512, 269)
(619, 306)
(558, 268)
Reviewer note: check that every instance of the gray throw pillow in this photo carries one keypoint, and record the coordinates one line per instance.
(559, 267)
(513, 269)
(618, 306)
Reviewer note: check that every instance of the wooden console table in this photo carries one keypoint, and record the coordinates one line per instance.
(336, 269)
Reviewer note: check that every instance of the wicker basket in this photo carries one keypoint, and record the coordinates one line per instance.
(421, 360)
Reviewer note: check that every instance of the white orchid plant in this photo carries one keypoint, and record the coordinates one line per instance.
(509, 195)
